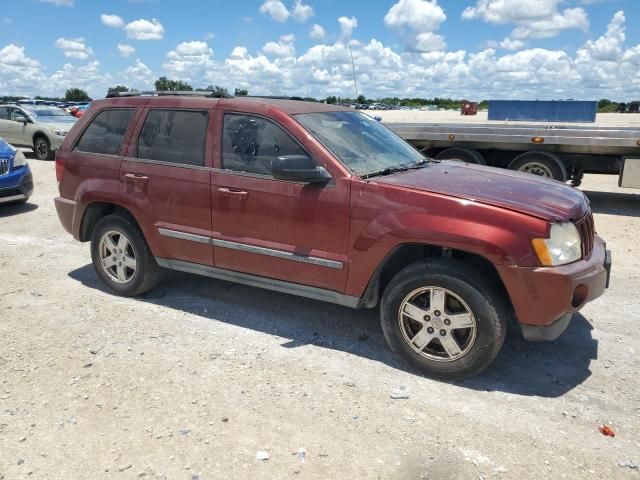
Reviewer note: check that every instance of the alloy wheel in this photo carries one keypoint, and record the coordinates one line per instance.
(117, 257)
(437, 324)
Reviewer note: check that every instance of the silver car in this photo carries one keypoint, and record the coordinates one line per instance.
(39, 127)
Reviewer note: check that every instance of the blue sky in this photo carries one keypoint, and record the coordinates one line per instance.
(472, 48)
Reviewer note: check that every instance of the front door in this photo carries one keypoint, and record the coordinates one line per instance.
(166, 181)
(284, 230)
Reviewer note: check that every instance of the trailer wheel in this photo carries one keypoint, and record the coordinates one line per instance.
(543, 164)
(467, 155)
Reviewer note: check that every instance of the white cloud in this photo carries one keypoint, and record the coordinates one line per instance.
(317, 32)
(126, 50)
(420, 15)
(275, 9)
(113, 21)
(418, 20)
(509, 44)
(189, 60)
(302, 12)
(139, 77)
(283, 48)
(145, 29)
(209, 36)
(429, 42)
(609, 47)
(59, 3)
(533, 18)
(74, 48)
(347, 25)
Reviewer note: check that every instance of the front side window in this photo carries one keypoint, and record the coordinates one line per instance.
(361, 143)
(106, 132)
(175, 136)
(250, 144)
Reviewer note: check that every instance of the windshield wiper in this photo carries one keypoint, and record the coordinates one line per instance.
(420, 163)
(387, 171)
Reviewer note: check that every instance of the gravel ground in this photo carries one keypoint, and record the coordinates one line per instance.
(199, 377)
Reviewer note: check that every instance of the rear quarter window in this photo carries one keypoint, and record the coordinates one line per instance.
(106, 132)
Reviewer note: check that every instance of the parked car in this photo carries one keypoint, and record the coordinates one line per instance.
(37, 127)
(324, 202)
(16, 181)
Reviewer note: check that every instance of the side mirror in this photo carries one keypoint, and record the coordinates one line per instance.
(21, 119)
(299, 168)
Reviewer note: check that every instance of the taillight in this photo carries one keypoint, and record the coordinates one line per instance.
(59, 167)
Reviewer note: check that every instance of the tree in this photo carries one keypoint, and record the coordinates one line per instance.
(332, 99)
(119, 88)
(216, 90)
(362, 99)
(163, 84)
(76, 95)
(241, 92)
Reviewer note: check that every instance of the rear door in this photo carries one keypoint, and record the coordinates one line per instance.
(165, 180)
(5, 119)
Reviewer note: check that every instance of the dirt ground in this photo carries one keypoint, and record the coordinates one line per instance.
(194, 379)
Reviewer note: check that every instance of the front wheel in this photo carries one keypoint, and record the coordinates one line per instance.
(42, 149)
(121, 257)
(443, 318)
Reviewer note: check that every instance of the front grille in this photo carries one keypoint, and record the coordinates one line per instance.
(587, 234)
(10, 192)
(4, 166)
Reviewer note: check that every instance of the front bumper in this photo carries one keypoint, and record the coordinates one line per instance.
(545, 298)
(17, 185)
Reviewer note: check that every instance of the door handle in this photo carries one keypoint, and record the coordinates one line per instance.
(239, 194)
(133, 176)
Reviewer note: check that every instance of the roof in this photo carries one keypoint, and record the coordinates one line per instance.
(290, 107)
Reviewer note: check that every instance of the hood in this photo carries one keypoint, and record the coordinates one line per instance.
(64, 123)
(521, 192)
(6, 150)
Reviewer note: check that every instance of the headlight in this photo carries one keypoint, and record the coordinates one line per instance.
(563, 246)
(59, 132)
(19, 160)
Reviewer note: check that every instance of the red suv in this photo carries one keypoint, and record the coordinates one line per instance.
(326, 203)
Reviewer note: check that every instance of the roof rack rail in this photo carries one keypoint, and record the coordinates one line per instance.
(167, 93)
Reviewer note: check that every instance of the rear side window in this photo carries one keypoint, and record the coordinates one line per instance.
(4, 113)
(250, 144)
(106, 132)
(175, 136)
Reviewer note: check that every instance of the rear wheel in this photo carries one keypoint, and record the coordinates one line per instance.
(467, 155)
(443, 318)
(121, 257)
(543, 164)
(42, 148)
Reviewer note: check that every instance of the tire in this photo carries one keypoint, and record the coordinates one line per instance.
(122, 276)
(467, 155)
(465, 292)
(543, 164)
(42, 148)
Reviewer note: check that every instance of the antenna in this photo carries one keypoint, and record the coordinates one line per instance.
(353, 69)
(355, 83)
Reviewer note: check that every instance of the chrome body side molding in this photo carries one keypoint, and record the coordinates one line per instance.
(243, 247)
(262, 282)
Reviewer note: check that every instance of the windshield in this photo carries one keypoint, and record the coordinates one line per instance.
(361, 143)
(47, 112)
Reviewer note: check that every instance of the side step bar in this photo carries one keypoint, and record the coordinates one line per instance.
(262, 282)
